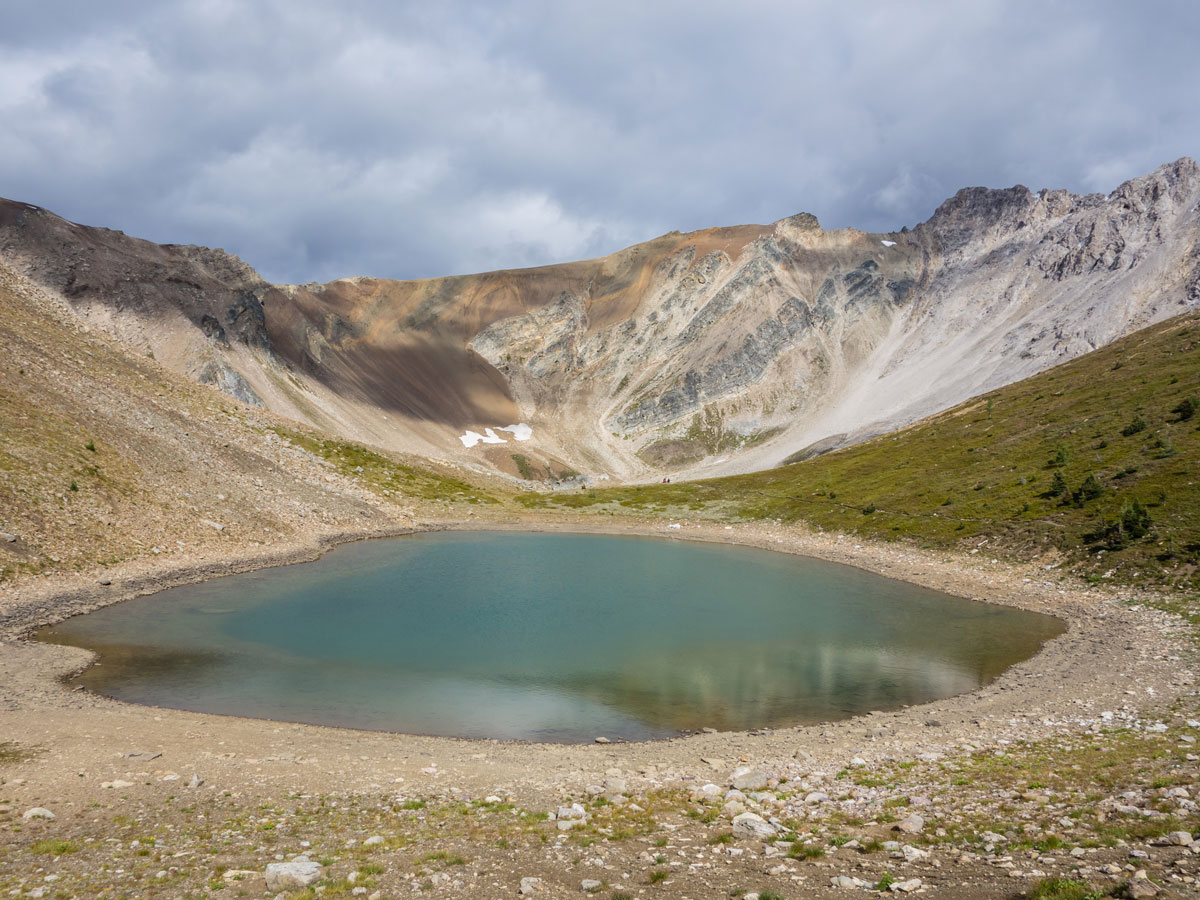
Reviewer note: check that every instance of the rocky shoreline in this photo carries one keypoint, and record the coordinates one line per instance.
(1121, 668)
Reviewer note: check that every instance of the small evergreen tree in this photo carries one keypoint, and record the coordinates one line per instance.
(1135, 521)
(1138, 424)
(1089, 489)
(1186, 409)
(1058, 485)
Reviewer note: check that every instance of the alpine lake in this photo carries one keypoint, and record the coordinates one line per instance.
(549, 637)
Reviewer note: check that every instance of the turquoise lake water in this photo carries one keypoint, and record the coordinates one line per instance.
(549, 637)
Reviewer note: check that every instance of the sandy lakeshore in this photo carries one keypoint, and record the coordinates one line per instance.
(1118, 662)
(1112, 658)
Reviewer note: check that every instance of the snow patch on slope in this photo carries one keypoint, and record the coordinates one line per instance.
(520, 432)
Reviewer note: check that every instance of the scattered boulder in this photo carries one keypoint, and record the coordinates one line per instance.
(530, 885)
(373, 841)
(287, 876)
(913, 824)
(569, 817)
(906, 887)
(751, 826)
(1180, 838)
(1140, 886)
(913, 854)
(38, 812)
(590, 884)
(745, 778)
(615, 785)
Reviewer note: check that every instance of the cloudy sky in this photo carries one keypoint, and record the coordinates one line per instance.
(318, 140)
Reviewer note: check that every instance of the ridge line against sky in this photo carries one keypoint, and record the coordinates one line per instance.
(413, 140)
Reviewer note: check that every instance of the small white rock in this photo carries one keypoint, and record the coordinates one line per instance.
(913, 854)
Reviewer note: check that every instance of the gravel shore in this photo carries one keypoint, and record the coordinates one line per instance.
(1121, 664)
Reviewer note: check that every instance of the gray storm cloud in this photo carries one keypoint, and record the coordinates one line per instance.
(408, 140)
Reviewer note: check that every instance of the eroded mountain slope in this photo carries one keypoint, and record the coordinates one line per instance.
(716, 351)
(107, 458)
(1088, 468)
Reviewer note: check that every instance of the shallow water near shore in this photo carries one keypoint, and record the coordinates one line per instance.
(554, 637)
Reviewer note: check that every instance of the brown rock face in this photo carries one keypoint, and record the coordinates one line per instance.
(720, 350)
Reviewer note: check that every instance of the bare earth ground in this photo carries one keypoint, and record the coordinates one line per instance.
(1079, 763)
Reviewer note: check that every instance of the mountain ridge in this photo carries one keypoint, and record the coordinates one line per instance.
(708, 352)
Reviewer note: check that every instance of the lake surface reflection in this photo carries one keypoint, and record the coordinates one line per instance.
(551, 637)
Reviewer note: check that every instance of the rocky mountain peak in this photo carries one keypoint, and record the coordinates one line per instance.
(975, 210)
(1173, 183)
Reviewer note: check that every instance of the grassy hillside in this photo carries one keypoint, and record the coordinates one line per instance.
(107, 457)
(1091, 466)
(384, 475)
